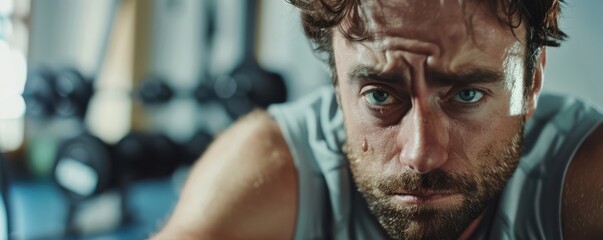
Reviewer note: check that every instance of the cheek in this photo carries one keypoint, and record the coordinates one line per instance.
(356, 118)
(370, 145)
(360, 123)
(470, 140)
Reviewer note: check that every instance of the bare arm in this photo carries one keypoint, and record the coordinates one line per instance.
(582, 210)
(244, 187)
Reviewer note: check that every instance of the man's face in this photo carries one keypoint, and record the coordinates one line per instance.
(434, 109)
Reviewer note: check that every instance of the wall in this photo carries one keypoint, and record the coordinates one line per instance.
(575, 67)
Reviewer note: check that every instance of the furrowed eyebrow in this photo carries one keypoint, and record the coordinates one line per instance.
(436, 79)
(363, 72)
(467, 78)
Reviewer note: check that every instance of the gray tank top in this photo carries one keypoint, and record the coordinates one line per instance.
(330, 207)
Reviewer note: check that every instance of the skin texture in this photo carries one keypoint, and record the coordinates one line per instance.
(582, 206)
(409, 133)
(424, 140)
(244, 187)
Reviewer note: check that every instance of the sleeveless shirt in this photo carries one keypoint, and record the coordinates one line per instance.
(330, 206)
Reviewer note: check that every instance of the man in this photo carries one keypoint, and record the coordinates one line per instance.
(430, 132)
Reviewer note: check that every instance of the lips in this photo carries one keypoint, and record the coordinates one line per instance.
(424, 197)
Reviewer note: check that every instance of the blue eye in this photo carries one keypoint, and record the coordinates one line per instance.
(378, 98)
(468, 96)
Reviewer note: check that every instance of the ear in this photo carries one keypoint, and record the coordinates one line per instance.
(537, 81)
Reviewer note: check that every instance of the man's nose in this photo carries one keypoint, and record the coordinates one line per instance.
(423, 139)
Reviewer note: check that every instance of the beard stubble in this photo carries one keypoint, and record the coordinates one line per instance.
(498, 162)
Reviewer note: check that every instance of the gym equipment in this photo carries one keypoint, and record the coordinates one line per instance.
(205, 91)
(248, 85)
(73, 93)
(86, 168)
(253, 85)
(83, 167)
(154, 90)
(39, 94)
(146, 155)
(65, 93)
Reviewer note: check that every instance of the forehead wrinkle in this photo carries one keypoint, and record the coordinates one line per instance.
(372, 54)
(390, 54)
(474, 48)
(413, 23)
(431, 50)
(410, 17)
(378, 55)
(395, 61)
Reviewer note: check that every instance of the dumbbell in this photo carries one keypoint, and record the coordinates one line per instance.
(86, 166)
(155, 90)
(205, 90)
(65, 93)
(248, 85)
(147, 155)
(73, 91)
(39, 93)
(83, 167)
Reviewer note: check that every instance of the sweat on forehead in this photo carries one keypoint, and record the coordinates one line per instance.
(438, 30)
(452, 21)
(533, 21)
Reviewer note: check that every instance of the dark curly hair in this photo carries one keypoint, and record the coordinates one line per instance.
(541, 18)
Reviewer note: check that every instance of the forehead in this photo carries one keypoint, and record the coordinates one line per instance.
(410, 16)
(454, 33)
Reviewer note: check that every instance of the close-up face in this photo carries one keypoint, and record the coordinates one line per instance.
(434, 107)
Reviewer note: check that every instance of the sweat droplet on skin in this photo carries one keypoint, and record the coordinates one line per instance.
(258, 182)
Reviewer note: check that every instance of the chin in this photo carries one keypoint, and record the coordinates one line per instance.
(425, 221)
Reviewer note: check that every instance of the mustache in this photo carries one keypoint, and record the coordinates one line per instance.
(436, 180)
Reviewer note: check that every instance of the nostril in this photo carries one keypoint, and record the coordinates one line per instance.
(419, 167)
(425, 161)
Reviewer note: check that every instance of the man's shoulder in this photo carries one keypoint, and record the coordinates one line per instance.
(257, 132)
(582, 209)
(581, 126)
(245, 175)
(255, 139)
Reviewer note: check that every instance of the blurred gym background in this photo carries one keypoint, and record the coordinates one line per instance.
(104, 104)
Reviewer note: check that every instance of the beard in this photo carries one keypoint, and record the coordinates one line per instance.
(414, 221)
